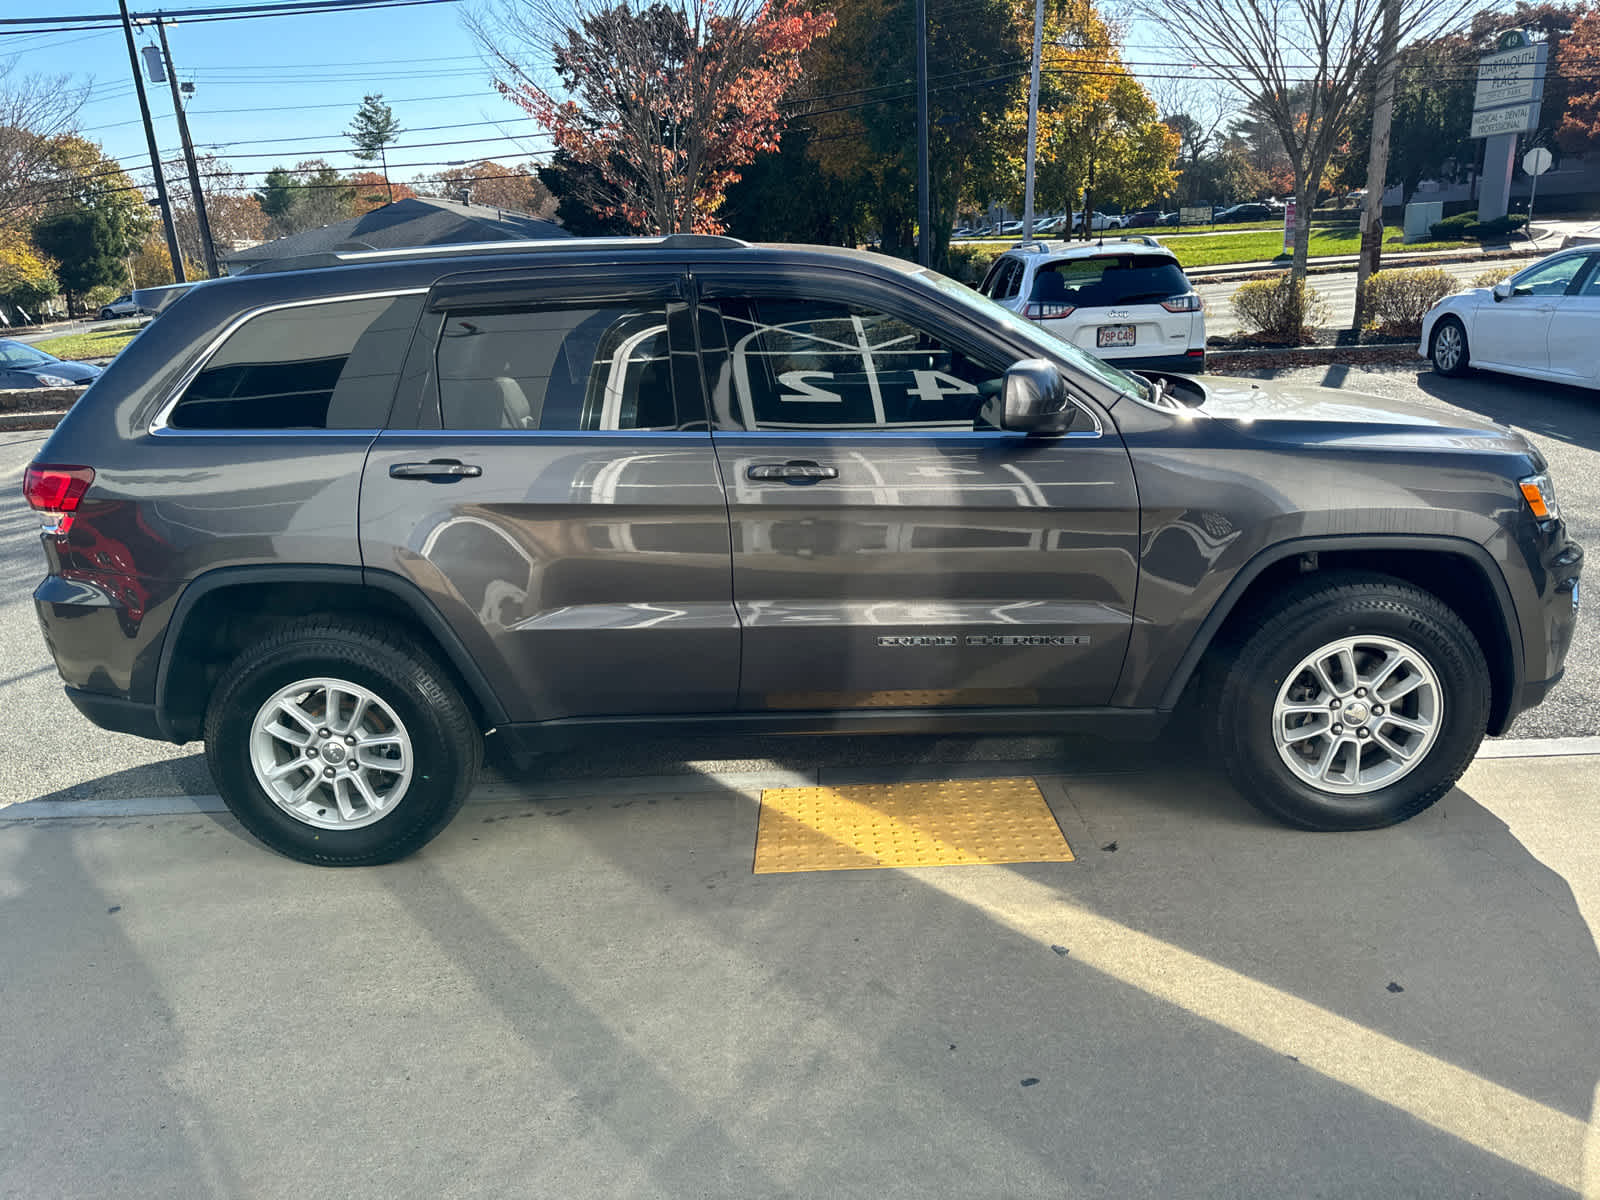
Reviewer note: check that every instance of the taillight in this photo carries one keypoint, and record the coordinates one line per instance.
(54, 492)
(1048, 310)
(1187, 303)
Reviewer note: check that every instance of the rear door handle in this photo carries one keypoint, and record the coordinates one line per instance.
(798, 470)
(438, 468)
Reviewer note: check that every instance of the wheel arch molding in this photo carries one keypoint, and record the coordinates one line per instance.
(184, 681)
(1405, 557)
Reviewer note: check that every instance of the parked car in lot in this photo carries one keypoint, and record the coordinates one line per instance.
(342, 521)
(1254, 211)
(1127, 301)
(1145, 218)
(23, 366)
(122, 306)
(1542, 323)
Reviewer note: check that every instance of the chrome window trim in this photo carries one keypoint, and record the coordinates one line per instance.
(158, 424)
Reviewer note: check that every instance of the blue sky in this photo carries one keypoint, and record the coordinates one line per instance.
(271, 91)
(276, 90)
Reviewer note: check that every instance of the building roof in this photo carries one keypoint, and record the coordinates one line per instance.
(417, 221)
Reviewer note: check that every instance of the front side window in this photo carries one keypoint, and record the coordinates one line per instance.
(570, 367)
(1549, 278)
(821, 364)
(329, 365)
(1591, 286)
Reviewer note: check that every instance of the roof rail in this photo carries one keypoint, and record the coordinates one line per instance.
(702, 241)
(350, 256)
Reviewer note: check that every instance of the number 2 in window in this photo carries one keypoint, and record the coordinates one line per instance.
(804, 392)
(934, 386)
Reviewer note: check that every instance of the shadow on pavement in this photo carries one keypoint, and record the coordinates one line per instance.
(596, 997)
(93, 1052)
(1214, 1007)
(1552, 410)
(186, 776)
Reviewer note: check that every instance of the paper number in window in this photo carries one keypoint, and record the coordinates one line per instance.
(933, 386)
(803, 392)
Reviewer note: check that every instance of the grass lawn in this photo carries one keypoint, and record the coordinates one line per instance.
(100, 343)
(1255, 243)
(1267, 245)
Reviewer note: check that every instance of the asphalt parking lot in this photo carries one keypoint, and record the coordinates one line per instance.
(582, 989)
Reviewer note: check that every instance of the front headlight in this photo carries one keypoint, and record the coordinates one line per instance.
(1540, 494)
(54, 381)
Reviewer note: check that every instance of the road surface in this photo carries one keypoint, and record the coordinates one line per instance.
(1337, 290)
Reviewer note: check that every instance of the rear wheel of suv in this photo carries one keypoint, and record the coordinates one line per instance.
(1352, 702)
(339, 744)
(1449, 348)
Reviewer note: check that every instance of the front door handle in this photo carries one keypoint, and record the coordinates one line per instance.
(797, 470)
(438, 469)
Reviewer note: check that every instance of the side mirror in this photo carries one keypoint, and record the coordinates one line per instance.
(1502, 290)
(1033, 399)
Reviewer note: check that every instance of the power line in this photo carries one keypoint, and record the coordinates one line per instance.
(219, 12)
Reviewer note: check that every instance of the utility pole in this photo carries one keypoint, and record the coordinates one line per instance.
(1378, 158)
(924, 220)
(1033, 122)
(207, 247)
(155, 154)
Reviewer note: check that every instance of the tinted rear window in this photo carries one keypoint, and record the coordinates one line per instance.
(312, 366)
(1110, 279)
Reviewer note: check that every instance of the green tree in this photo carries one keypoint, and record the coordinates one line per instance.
(310, 196)
(87, 250)
(864, 115)
(582, 203)
(83, 176)
(276, 193)
(782, 197)
(373, 131)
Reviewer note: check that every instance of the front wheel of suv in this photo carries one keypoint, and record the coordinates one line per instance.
(1352, 702)
(340, 744)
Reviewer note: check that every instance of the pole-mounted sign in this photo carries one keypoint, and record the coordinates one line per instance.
(1507, 102)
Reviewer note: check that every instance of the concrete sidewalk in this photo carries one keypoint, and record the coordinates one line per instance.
(582, 990)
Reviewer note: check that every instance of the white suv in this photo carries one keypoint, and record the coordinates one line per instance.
(1126, 300)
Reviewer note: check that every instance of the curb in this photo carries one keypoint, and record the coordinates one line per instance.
(30, 420)
(1311, 356)
(744, 783)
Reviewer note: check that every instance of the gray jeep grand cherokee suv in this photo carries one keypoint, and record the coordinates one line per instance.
(344, 517)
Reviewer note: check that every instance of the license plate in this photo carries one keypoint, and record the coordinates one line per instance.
(1114, 335)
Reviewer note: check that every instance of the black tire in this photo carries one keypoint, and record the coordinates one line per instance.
(445, 741)
(1440, 356)
(1316, 612)
(106, 314)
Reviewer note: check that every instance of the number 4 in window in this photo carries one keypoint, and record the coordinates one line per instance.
(933, 386)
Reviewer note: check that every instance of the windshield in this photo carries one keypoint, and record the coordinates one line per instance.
(987, 311)
(16, 354)
(1107, 280)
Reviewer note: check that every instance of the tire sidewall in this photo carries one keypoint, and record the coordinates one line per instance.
(437, 775)
(1464, 696)
(1433, 348)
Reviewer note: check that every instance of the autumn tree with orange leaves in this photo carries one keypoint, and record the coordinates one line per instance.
(666, 101)
(1578, 58)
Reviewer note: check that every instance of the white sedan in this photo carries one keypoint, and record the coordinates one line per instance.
(1543, 323)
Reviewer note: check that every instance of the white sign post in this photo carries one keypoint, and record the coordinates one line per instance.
(1535, 162)
(1506, 103)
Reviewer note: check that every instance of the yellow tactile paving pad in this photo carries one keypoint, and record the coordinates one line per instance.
(945, 823)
